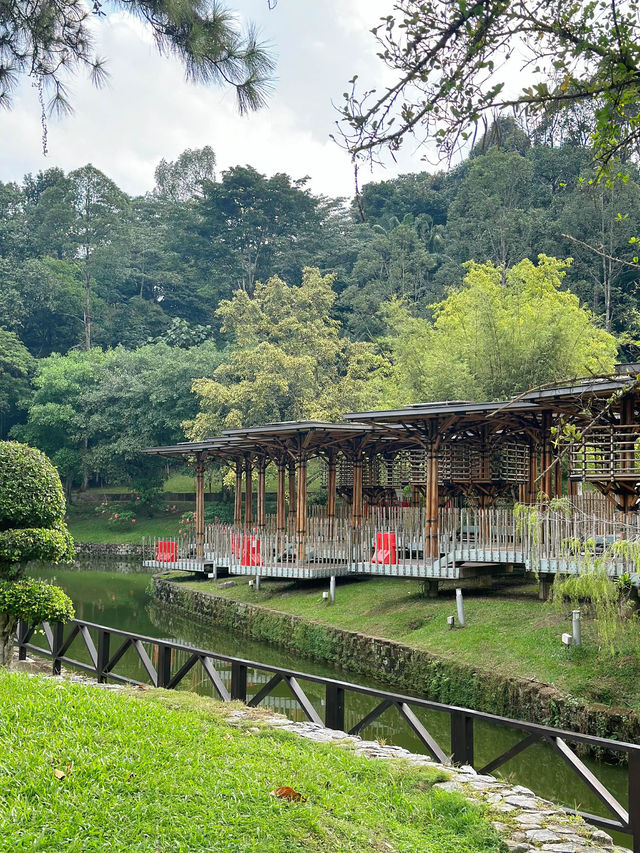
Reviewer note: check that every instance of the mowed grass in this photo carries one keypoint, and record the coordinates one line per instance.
(507, 631)
(159, 772)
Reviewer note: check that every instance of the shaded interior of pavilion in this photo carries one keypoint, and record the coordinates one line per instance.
(400, 484)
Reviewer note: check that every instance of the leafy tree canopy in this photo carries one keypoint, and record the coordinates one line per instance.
(287, 362)
(494, 337)
(450, 61)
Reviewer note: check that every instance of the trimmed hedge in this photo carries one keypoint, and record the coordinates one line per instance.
(35, 601)
(31, 494)
(21, 546)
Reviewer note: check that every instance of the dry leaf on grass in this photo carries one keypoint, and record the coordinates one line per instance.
(59, 774)
(287, 793)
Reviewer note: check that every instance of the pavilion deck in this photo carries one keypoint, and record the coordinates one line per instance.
(392, 544)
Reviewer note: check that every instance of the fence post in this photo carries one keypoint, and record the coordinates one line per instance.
(164, 665)
(634, 799)
(104, 638)
(334, 707)
(238, 681)
(58, 638)
(461, 738)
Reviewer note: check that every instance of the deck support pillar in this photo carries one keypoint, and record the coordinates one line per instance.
(248, 491)
(281, 514)
(260, 510)
(545, 582)
(431, 540)
(200, 508)
(237, 509)
(430, 588)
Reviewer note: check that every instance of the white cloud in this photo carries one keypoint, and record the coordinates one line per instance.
(148, 111)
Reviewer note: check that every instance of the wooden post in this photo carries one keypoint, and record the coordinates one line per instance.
(292, 496)
(558, 479)
(301, 508)
(432, 544)
(331, 490)
(572, 488)
(356, 502)
(260, 510)
(200, 508)
(237, 510)
(546, 460)
(281, 517)
(248, 491)
(532, 485)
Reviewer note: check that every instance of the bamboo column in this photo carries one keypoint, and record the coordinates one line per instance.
(248, 491)
(260, 509)
(301, 507)
(356, 501)
(281, 508)
(200, 508)
(558, 478)
(292, 496)
(627, 499)
(546, 460)
(237, 509)
(331, 491)
(532, 485)
(432, 544)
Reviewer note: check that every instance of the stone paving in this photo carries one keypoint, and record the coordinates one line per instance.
(525, 822)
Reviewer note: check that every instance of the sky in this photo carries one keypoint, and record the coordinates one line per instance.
(148, 111)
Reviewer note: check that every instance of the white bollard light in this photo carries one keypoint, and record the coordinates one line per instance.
(451, 622)
(460, 606)
(576, 637)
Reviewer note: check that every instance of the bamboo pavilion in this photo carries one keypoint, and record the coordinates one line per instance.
(429, 490)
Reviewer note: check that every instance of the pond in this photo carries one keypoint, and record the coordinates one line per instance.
(115, 593)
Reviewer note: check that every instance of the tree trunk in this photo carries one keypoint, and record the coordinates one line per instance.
(7, 631)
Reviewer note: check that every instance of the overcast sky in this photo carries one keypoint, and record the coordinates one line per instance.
(148, 111)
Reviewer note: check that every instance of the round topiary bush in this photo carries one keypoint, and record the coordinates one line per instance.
(31, 493)
(32, 527)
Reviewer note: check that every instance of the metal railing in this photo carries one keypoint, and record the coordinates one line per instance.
(167, 663)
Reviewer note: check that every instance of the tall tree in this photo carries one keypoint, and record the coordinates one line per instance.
(494, 337)
(99, 207)
(183, 179)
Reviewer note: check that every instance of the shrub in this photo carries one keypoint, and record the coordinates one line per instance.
(35, 601)
(21, 546)
(31, 493)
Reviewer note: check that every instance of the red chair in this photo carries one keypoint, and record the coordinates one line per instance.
(250, 551)
(386, 552)
(166, 551)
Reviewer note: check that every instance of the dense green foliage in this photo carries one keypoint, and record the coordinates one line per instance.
(30, 490)
(121, 791)
(220, 300)
(34, 601)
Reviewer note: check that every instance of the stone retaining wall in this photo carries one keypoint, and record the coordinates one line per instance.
(107, 549)
(406, 669)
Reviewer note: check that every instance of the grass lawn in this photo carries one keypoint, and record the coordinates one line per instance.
(508, 631)
(161, 772)
(86, 525)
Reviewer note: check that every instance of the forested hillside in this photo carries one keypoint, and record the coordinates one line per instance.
(274, 303)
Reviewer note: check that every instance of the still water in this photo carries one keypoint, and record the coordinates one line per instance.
(115, 594)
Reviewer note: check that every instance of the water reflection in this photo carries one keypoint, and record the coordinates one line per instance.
(120, 599)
